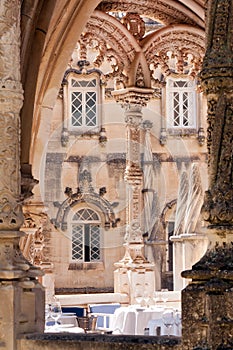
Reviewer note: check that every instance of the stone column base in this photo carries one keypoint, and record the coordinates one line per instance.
(21, 311)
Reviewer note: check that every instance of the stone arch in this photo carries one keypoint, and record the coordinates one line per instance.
(115, 42)
(100, 204)
(48, 52)
(164, 11)
(139, 74)
(171, 39)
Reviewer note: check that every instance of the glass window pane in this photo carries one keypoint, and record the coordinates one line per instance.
(95, 243)
(76, 108)
(77, 242)
(180, 103)
(91, 109)
(86, 215)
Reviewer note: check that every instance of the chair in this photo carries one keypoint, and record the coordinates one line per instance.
(79, 311)
(104, 313)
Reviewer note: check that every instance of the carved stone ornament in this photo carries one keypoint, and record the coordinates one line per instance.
(11, 215)
(179, 50)
(114, 49)
(162, 11)
(218, 205)
(133, 96)
(135, 25)
(133, 233)
(11, 97)
(85, 194)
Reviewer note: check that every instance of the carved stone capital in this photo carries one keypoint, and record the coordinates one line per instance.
(133, 96)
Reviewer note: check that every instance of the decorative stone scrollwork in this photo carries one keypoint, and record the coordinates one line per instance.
(85, 194)
(173, 53)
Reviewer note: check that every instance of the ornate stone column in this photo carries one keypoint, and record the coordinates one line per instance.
(208, 300)
(18, 286)
(134, 270)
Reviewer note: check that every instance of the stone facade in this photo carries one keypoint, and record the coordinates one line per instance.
(148, 59)
(115, 151)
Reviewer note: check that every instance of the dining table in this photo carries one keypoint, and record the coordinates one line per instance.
(66, 323)
(134, 319)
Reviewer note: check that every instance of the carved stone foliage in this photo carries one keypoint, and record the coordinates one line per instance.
(104, 34)
(218, 204)
(179, 50)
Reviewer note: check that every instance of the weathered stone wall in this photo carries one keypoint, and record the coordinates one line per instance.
(97, 342)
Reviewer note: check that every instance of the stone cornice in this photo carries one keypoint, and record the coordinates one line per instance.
(133, 96)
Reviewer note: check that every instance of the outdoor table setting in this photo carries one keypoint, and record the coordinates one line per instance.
(151, 316)
(58, 322)
(153, 320)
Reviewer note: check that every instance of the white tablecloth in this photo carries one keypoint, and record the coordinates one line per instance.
(67, 323)
(63, 329)
(133, 320)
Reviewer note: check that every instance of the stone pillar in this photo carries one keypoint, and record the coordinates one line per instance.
(207, 303)
(19, 288)
(134, 270)
(187, 250)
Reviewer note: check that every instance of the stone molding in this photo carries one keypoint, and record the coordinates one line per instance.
(164, 12)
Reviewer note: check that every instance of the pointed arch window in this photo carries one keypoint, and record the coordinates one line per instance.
(181, 104)
(86, 236)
